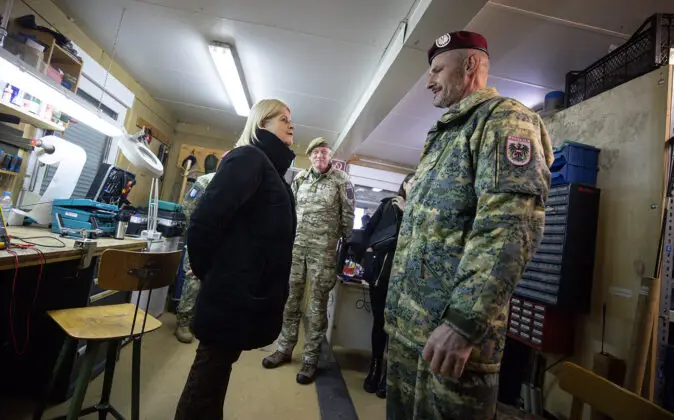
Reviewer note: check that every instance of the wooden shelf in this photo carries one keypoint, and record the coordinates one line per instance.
(10, 173)
(58, 57)
(28, 117)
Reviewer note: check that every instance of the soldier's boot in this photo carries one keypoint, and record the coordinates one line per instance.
(307, 373)
(372, 379)
(276, 359)
(184, 334)
(381, 389)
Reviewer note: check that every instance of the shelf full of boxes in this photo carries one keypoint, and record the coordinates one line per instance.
(45, 56)
(49, 55)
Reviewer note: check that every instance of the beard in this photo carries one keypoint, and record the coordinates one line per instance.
(452, 90)
(445, 99)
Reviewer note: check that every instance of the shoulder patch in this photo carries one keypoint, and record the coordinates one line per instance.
(349, 191)
(194, 192)
(518, 150)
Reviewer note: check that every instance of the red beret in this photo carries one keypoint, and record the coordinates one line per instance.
(457, 41)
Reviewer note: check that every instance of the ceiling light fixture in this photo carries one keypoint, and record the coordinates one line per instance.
(223, 57)
(12, 71)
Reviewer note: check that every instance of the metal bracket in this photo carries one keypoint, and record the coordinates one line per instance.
(88, 248)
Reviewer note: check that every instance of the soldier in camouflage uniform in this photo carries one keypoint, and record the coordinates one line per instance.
(325, 211)
(188, 296)
(472, 222)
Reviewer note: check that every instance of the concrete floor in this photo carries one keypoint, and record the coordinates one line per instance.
(254, 392)
(354, 366)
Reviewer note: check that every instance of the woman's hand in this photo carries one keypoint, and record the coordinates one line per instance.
(399, 202)
(370, 250)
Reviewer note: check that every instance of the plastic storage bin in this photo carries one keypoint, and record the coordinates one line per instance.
(169, 223)
(577, 154)
(575, 163)
(572, 174)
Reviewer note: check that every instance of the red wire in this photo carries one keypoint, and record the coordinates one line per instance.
(32, 305)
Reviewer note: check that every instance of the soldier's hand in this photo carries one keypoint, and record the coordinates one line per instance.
(447, 351)
(189, 273)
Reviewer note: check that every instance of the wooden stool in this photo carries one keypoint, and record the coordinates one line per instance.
(122, 271)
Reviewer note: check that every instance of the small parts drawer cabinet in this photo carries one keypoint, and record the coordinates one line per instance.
(560, 272)
(545, 328)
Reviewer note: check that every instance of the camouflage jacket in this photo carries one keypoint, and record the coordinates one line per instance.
(472, 222)
(193, 196)
(325, 206)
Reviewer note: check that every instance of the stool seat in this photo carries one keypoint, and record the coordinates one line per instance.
(103, 322)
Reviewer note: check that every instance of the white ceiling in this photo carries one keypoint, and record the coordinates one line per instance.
(533, 44)
(321, 55)
(316, 55)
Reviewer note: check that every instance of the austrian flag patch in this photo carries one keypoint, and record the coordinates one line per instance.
(518, 151)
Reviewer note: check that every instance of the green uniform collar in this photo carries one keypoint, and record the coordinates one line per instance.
(316, 174)
(467, 104)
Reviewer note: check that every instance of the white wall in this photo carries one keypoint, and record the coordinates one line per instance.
(375, 178)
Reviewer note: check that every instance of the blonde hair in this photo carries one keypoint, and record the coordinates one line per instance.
(260, 113)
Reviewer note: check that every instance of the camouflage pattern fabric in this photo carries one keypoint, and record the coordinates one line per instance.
(325, 211)
(325, 206)
(414, 392)
(188, 296)
(472, 222)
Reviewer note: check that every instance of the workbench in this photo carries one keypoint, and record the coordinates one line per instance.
(68, 252)
(28, 354)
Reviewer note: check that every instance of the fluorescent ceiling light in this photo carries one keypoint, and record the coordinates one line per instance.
(223, 57)
(21, 77)
(377, 189)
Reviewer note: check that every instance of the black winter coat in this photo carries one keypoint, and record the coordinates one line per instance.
(378, 264)
(386, 215)
(240, 241)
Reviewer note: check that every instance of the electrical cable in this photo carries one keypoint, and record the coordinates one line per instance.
(27, 241)
(364, 302)
(12, 302)
(561, 359)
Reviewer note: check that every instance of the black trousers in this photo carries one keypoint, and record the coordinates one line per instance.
(378, 292)
(204, 394)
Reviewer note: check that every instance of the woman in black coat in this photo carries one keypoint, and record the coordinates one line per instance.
(240, 241)
(381, 237)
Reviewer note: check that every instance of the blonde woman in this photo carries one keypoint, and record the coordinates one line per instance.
(240, 241)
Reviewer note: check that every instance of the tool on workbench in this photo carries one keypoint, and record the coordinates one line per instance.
(4, 236)
(111, 185)
(72, 216)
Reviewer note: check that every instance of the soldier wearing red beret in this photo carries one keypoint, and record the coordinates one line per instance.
(475, 217)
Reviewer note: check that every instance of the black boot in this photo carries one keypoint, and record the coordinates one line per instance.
(372, 380)
(381, 389)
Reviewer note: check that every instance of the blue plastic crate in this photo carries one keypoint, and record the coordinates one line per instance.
(574, 174)
(576, 154)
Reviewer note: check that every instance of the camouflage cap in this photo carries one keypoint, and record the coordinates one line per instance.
(317, 142)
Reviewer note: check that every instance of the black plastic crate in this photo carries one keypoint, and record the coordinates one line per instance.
(646, 50)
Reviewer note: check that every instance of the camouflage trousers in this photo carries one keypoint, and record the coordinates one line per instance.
(414, 392)
(188, 297)
(319, 268)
